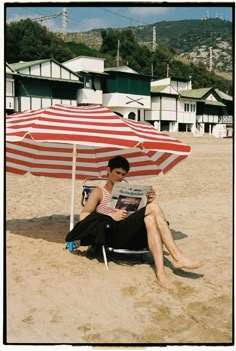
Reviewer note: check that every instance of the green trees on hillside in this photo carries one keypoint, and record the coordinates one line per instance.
(135, 55)
(78, 49)
(26, 40)
(185, 35)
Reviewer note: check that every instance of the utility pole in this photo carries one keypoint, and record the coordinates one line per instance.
(64, 23)
(118, 54)
(154, 44)
(167, 70)
(210, 60)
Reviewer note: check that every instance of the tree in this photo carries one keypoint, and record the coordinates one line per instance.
(27, 40)
(79, 49)
(109, 42)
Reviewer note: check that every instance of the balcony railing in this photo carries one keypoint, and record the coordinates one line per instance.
(89, 96)
(215, 118)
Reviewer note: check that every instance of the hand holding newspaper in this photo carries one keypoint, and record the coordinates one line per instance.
(129, 197)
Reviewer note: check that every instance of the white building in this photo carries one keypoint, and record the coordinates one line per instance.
(169, 104)
(43, 83)
(175, 106)
(121, 89)
(10, 89)
(127, 92)
(91, 71)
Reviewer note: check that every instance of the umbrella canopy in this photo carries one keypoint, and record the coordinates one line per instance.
(42, 141)
(77, 142)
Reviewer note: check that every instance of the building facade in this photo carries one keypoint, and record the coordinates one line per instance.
(91, 72)
(10, 89)
(169, 104)
(209, 108)
(127, 93)
(44, 83)
(121, 89)
(175, 106)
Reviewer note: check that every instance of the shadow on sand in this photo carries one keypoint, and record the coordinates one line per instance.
(55, 228)
(51, 228)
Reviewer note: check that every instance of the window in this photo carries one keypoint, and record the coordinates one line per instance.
(97, 83)
(127, 84)
(139, 115)
(132, 115)
(62, 91)
(186, 107)
(88, 82)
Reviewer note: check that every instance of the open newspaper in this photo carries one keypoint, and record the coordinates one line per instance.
(129, 197)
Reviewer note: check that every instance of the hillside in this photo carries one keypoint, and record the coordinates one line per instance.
(189, 39)
(27, 41)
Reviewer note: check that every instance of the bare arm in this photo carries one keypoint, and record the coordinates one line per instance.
(93, 201)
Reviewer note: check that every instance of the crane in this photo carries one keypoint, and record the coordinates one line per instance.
(45, 18)
(64, 19)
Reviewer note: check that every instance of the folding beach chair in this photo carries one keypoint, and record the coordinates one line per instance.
(88, 185)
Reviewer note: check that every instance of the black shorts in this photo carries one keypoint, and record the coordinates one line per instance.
(98, 228)
(129, 233)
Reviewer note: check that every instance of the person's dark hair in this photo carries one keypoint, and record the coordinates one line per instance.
(119, 162)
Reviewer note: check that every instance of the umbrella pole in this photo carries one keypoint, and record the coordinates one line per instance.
(72, 206)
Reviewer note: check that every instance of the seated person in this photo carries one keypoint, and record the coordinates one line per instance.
(147, 227)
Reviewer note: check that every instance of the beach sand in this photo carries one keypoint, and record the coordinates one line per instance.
(54, 296)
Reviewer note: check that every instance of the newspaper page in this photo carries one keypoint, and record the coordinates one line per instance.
(129, 197)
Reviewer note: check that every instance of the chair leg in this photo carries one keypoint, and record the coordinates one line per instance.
(105, 257)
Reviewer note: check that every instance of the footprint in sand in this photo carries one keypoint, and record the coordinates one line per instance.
(28, 320)
(129, 291)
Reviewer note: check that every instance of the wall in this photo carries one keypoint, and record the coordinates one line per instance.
(129, 101)
(10, 94)
(31, 103)
(89, 96)
(84, 63)
(49, 69)
(129, 84)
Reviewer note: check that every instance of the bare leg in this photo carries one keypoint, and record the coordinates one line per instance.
(179, 259)
(156, 248)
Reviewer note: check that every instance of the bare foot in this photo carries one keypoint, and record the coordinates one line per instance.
(165, 283)
(188, 263)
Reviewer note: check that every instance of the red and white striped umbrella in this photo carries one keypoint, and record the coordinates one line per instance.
(41, 142)
(77, 142)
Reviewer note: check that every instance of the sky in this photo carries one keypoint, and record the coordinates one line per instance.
(82, 18)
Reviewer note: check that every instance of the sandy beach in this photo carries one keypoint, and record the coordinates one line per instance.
(54, 296)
